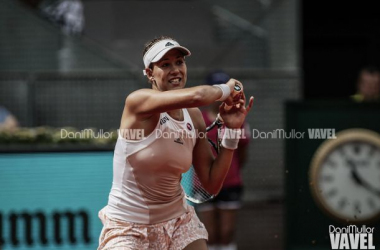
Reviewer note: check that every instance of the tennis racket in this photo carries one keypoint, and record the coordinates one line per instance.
(194, 191)
(192, 186)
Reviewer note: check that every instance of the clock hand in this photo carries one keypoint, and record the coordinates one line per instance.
(355, 175)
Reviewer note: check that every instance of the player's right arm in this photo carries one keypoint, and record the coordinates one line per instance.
(146, 102)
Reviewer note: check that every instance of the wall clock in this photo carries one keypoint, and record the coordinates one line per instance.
(345, 176)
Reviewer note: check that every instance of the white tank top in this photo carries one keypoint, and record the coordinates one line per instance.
(147, 173)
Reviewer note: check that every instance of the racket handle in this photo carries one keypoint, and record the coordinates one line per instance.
(236, 94)
(218, 117)
(238, 89)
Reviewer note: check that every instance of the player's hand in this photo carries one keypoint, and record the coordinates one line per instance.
(236, 88)
(234, 116)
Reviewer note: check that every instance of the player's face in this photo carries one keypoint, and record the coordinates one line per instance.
(170, 72)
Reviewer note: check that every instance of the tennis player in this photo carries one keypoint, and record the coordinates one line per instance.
(146, 207)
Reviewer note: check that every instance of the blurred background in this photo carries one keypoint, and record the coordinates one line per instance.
(71, 63)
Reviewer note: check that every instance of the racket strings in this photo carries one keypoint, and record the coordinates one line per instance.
(192, 186)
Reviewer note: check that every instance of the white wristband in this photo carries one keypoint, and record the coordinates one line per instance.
(225, 90)
(231, 138)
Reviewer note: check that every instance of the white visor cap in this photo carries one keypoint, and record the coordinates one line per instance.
(159, 49)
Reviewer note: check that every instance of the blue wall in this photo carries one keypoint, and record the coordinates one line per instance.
(50, 183)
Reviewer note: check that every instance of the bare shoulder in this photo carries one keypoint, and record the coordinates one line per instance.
(197, 118)
(139, 94)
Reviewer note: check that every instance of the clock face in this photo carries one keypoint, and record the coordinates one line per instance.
(345, 176)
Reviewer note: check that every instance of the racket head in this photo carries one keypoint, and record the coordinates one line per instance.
(192, 186)
(217, 124)
(193, 189)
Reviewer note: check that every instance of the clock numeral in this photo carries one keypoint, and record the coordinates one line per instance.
(356, 148)
(342, 203)
(331, 193)
(331, 163)
(372, 150)
(327, 178)
(357, 209)
(341, 151)
(371, 203)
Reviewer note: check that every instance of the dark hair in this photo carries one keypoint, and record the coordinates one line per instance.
(372, 69)
(217, 77)
(149, 44)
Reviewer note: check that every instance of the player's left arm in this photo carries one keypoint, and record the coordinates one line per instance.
(211, 171)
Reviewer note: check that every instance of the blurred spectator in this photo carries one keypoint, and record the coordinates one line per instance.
(7, 120)
(69, 16)
(66, 13)
(219, 215)
(368, 85)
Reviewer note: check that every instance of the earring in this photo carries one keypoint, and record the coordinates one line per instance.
(153, 81)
